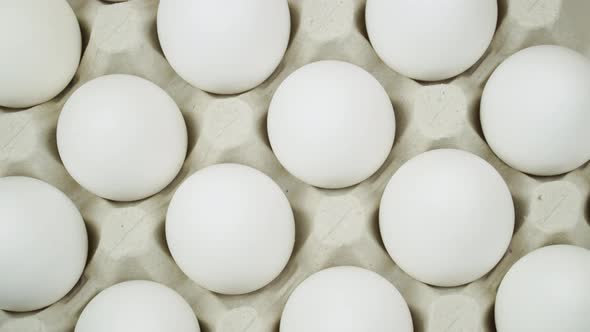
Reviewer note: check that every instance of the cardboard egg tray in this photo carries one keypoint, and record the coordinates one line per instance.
(334, 227)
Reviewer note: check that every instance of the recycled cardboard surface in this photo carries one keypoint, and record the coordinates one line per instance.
(334, 227)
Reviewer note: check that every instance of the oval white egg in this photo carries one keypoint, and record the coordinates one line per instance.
(546, 290)
(121, 137)
(224, 46)
(331, 124)
(137, 305)
(346, 298)
(446, 217)
(41, 48)
(230, 228)
(43, 244)
(535, 110)
(431, 40)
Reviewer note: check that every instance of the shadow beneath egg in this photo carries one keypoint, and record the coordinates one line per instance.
(6, 109)
(192, 129)
(50, 145)
(295, 15)
(503, 6)
(93, 238)
(153, 38)
(302, 231)
(160, 237)
(489, 319)
(401, 113)
(521, 210)
(360, 21)
(276, 326)
(418, 320)
(375, 229)
(263, 131)
(22, 315)
(474, 117)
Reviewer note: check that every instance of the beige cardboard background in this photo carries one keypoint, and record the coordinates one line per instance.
(334, 227)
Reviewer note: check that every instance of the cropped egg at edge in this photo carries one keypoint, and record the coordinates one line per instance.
(346, 299)
(224, 46)
(331, 124)
(446, 217)
(535, 110)
(40, 39)
(547, 290)
(122, 137)
(431, 40)
(138, 305)
(230, 228)
(43, 244)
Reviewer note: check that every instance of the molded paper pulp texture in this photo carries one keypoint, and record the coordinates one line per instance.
(334, 227)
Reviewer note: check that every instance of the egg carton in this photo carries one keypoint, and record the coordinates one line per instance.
(334, 227)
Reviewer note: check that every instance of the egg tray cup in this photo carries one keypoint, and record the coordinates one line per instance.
(334, 227)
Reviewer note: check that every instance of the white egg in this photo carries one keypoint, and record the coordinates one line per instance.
(138, 306)
(535, 110)
(43, 244)
(346, 299)
(431, 40)
(41, 48)
(224, 46)
(331, 124)
(547, 290)
(121, 137)
(230, 228)
(446, 217)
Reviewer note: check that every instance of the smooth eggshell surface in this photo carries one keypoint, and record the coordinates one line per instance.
(535, 110)
(230, 228)
(446, 217)
(138, 306)
(431, 40)
(331, 124)
(121, 137)
(43, 244)
(346, 299)
(224, 46)
(547, 290)
(41, 46)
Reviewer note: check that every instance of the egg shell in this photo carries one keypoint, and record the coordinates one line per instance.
(446, 217)
(137, 306)
(547, 290)
(430, 40)
(346, 299)
(39, 39)
(331, 124)
(535, 110)
(43, 244)
(121, 137)
(224, 46)
(230, 228)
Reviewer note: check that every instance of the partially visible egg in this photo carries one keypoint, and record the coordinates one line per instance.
(535, 110)
(230, 228)
(331, 124)
(446, 217)
(137, 306)
(431, 40)
(121, 137)
(224, 46)
(43, 244)
(547, 290)
(346, 299)
(41, 48)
